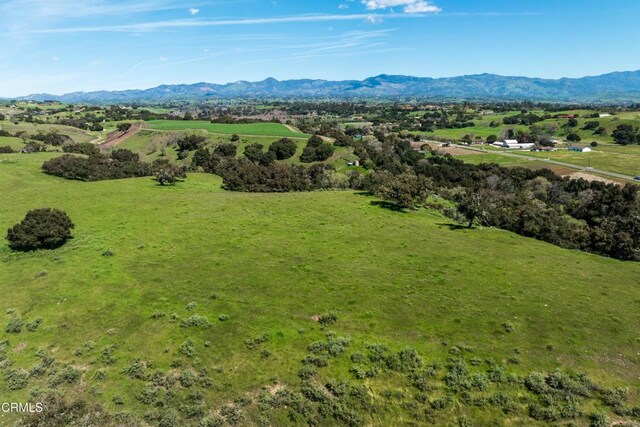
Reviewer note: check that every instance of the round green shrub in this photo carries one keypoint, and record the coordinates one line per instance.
(40, 229)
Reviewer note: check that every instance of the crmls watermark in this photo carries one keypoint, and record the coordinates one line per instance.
(21, 408)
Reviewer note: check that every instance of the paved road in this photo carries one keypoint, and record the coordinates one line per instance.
(555, 162)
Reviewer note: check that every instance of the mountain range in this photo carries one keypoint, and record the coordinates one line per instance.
(612, 87)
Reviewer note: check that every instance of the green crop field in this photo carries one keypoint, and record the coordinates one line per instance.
(262, 267)
(258, 129)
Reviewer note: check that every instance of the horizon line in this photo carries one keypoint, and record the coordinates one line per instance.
(315, 79)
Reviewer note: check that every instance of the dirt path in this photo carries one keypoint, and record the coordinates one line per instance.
(292, 128)
(97, 140)
(116, 137)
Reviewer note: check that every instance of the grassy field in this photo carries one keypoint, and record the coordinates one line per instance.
(273, 262)
(150, 144)
(255, 129)
(15, 143)
(556, 127)
(477, 159)
(606, 157)
(614, 158)
(77, 135)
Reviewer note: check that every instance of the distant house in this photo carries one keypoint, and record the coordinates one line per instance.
(604, 115)
(513, 144)
(567, 116)
(580, 149)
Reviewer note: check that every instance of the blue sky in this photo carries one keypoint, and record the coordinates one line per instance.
(60, 46)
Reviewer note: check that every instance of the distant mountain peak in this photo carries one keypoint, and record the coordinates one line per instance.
(612, 87)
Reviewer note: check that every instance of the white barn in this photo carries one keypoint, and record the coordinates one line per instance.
(513, 144)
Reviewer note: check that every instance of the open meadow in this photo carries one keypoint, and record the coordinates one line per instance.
(255, 129)
(614, 158)
(227, 291)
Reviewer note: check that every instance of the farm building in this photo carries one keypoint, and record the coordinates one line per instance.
(580, 149)
(513, 144)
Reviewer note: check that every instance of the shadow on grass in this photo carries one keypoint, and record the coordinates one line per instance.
(383, 203)
(388, 205)
(455, 227)
(363, 193)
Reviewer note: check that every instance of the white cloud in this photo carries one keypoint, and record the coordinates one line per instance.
(55, 59)
(410, 6)
(374, 19)
(194, 11)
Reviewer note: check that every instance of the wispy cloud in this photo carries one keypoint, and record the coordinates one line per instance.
(338, 45)
(194, 23)
(64, 9)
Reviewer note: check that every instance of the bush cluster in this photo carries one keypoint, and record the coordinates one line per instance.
(120, 164)
(40, 229)
(316, 150)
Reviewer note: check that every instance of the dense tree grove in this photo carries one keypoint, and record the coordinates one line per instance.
(254, 173)
(191, 142)
(591, 216)
(626, 135)
(120, 164)
(242, 175)
(283, 148)
(86, 148)
(51, 138)
(316, 150)
(40, 229)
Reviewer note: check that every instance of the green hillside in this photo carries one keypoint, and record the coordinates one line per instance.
(262, 269)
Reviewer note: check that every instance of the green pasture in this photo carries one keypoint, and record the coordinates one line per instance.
(271, 263)
(254, 129)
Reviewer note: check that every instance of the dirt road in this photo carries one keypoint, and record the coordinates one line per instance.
(116, 137)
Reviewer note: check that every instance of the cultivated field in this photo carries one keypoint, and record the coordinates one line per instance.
(258, 129)
(262, 268)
